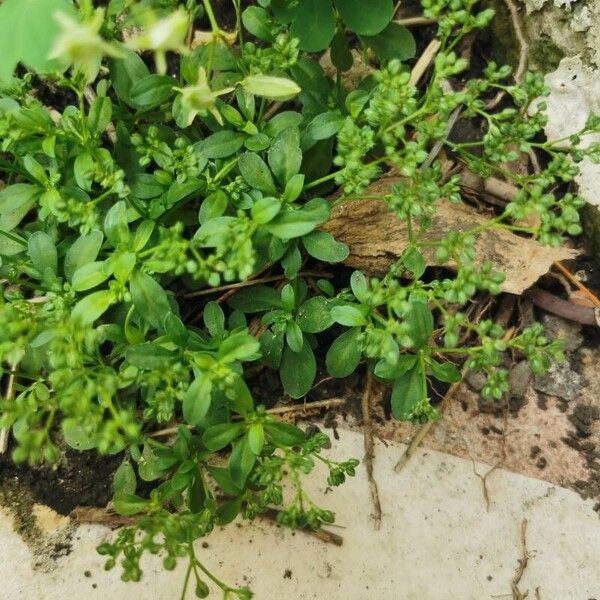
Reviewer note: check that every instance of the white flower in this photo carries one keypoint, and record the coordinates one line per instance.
(200, 99)
(81, 45)
(162, 36)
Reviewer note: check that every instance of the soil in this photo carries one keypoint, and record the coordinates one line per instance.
(80, 479)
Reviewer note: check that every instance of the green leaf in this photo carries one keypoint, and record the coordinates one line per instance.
(265, 209)
(341, 57)
(256, 438)
(130, 504)
(238, 346)
(394, 42)
(274, 88)
(151, 91)
(90, 275)
(83, 170)
(408, 391)
(241, 461)
(298, 370)
(115, 224)
(256, 173)
(124, 480)
(149, 356)
(420, 322)
(92, 307)
(126, 71)
(292, 223)
(197, 400)
(285, 156)
(149, 298)
(221, 144)
(76, 435)
(271, 346)
(28, 30)
(218, 436)
(257, 298)
(314, 25)
(385, 370)
(214, 319)
(344, 354)
(256, 21)
(366, 20)
(359, 286)
(413, 260)
(43, 255)
(83, 250)
(325, 125)
(224, 481)
(225, 513)
(99, 115)
(213, 206)
(15, 202)
(314, 315)
(444, 371)
(294, 337)
(350, 316)
(284, 434)
(323, 246)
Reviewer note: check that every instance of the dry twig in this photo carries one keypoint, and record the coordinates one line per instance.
(10, 392)
(424, 61)
(424, 429)
(370, 450)
(514, 584)
(278, 410)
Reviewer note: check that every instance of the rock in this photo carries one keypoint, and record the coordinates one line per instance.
(568, 332)
(476, 381)
(560, 380)
(519, 377)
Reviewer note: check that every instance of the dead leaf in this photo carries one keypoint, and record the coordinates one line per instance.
(376, 238)
(102, 516)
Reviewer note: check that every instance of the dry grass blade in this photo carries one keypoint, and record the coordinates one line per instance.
(370, 450)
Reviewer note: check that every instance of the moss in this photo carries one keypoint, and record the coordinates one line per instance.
(544, 54)
(590, 220)
(19, 503)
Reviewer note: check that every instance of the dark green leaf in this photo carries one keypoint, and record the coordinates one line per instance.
(115, 224)
(420, 322)
(323, 246)
(83, 170)
(285, 156)
(314, 315)
(149, 356)
(130, 504)
(84, 250)
(218, 436)
(284, 434)
(257, 298)
(350, 316)
(314, 25)
(149, 298)
(298, 370)
(99, 115)
(444, 371)
(15, 202)
(408, 391)
(256, 173)
(344, 354)
(124, 481)
(42, 252)
(126, 71)
(256, 21)
(394, 42)
(221, 144)
(404, 363)
(196, 401)
(366, 20)
(241, 461)
(90, 308)
(151, 91)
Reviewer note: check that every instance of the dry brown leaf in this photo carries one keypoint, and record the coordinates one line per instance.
(376, 238)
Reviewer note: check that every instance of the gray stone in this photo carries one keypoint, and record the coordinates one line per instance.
(560, 380)
(568, 332)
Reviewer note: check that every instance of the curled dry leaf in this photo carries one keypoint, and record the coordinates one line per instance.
(376, 238)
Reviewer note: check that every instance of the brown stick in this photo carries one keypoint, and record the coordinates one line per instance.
(323, 534)
(557, 306)
(278, 410)
(415, 21)
(424, 429)
(10, 392)
(516, 592)
(424, 61)
(251, 282)
(370, 450)
(575, 281)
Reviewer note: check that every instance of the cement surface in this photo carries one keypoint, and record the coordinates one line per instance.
(437, 542)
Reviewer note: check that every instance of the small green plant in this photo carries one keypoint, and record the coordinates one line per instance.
(140, 174)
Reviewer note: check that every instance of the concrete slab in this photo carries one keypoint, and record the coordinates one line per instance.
(437, 542)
